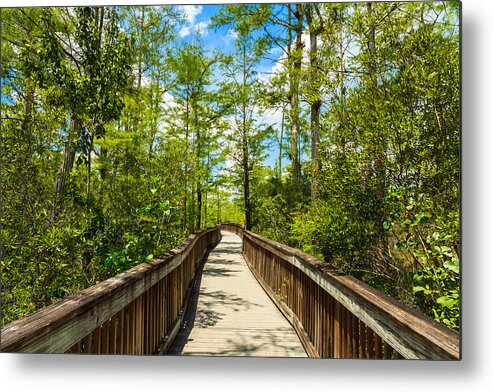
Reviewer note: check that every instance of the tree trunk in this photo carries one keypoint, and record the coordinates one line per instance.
(199, 206)
(316, 102)
(280, 143)
(154, 114)
(139, 74)
(199, 152)
(27, 129)
(315, 133)
(295, 73)
(205, 209)
(245, 151)
(187, 131)
(103, 170)
(218, 206)
(380, 140)
(248, 213)
(246, 184)
(341, 79)
(88, 180)
(68, 159)
(100, 20)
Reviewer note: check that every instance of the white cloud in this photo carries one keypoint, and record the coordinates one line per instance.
(184, 31)
(276, 50)
(278, 67)
(190, 12)
(272, 117)
(201, 27)
(168, 101)
(230, 36)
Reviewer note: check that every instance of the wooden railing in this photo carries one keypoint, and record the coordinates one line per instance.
(136, 312)
(338, 316)
(140, 311)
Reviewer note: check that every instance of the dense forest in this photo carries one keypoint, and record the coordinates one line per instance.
(333, 128)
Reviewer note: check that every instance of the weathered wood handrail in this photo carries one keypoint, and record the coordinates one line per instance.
(338, 316)
(136, 312)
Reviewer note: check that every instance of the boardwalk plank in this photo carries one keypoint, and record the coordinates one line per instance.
(230, 314)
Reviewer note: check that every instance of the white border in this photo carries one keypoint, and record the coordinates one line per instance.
(473, 373)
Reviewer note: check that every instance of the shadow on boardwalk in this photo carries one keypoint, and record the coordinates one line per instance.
(230, 314)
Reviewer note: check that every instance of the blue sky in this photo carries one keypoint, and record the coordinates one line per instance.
(198, 18)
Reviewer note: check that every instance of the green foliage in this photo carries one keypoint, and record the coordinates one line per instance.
(98, 175)
(386, 209)
(437, 280)
(437, 289)
(66, 64)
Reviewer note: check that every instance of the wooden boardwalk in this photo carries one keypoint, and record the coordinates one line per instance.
(231, 315)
